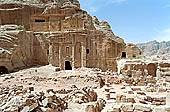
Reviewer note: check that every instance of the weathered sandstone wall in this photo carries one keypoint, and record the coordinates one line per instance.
(56, 32)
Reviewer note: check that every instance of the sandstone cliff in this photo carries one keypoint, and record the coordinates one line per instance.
(26, 41)
(106, 28)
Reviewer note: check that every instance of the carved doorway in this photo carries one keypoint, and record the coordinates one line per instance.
(68, 65)
(123, 54)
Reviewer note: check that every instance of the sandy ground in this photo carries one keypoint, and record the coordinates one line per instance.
(45, 77)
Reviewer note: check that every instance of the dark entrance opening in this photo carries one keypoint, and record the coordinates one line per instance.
(68, 65)
(123, 54)
(134, 56)
(3, 70)
(39, 20)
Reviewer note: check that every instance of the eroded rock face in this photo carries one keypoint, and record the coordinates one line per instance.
(106, 28)
(16, 49)
(60, 33)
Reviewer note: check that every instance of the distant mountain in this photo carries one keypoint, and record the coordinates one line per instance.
(155, 48)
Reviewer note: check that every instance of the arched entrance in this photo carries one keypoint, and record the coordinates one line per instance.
(68, 65)
(3, 70)
(152, 68)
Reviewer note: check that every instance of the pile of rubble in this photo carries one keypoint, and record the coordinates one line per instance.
(80, 96)
(44, 90)
(137, 98)
(129, 107)
(26, 100)
(140, 81)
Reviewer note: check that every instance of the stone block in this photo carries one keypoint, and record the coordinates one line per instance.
(127, 107)
(168, 100)
(142, 107)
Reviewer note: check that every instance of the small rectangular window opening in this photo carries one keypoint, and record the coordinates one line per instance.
(67, 50)
(87, 51)
(39, 20)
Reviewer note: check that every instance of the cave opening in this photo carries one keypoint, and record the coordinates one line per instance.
(3, 70)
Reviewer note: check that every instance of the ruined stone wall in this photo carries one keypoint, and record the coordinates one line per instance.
(163, 70)
(132, 51)
(136, 68)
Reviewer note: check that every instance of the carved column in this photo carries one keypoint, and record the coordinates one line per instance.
(83, 55)
(51, 54)
(59, 54)
(116, 54)
(94, 54)
(73, 57)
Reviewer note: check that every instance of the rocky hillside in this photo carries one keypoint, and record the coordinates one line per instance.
(155, 48)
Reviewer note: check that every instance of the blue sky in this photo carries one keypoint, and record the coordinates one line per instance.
(133, 20)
